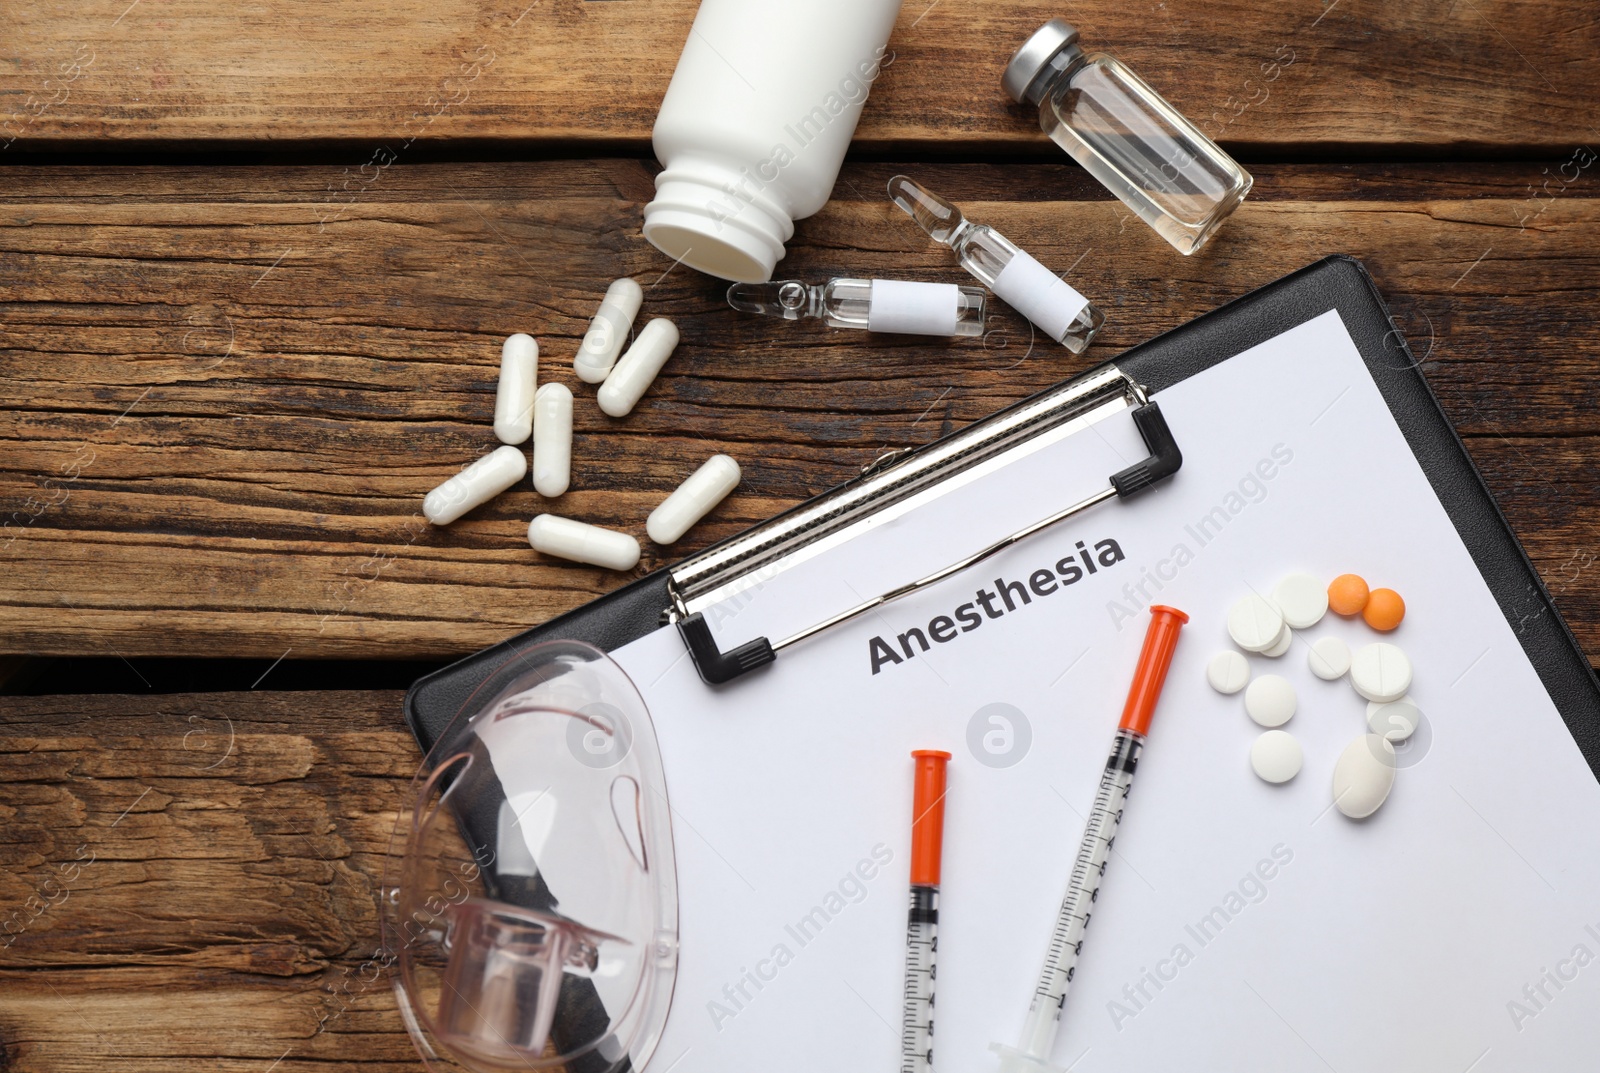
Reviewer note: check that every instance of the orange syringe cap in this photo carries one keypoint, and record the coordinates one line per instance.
(1159, 642)
(927, 816)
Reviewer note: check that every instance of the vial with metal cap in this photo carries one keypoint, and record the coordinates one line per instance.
(1137, 145)
(905, 307)
(1050, 302)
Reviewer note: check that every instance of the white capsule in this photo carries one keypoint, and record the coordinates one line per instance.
(583, 543)
(693, 499)
(513, 399)
(608, 331)
(638, 368)
(477, 484)
(552, 439)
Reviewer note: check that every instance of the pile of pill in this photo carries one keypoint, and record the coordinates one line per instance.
(1379, 672)
(524, 410)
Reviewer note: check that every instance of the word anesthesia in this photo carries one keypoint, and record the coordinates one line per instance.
(1006, 596)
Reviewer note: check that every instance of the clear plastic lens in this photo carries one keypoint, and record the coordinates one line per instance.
(1141, 149)
(530, 908)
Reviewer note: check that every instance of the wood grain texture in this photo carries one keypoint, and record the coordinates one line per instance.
(225, 403)
(189, 883)
(1432, 78)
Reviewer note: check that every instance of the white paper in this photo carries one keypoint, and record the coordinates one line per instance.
(1417, 940)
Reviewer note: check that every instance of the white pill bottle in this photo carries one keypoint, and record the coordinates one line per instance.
(755, 125)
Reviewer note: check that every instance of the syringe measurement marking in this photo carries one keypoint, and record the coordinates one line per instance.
(1066, 940)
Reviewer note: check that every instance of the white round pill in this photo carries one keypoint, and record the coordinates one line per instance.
(1281, 645)
(1276, 756)
(1228, 672)
(1330, 658)
(1380, 672)
(1395, 721)
(1363, 776)
(1254, 624)
(1302, 599)
(1270, 700)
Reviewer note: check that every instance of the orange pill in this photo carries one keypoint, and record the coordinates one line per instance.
(1384, 609)
(1347, 594)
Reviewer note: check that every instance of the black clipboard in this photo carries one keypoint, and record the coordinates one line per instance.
(1336, 282)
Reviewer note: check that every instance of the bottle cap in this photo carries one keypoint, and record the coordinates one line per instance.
(927, 816)
(1024, 76)
(1154, 658)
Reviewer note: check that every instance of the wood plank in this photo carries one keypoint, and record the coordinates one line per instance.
(1436, 78)
(223, 413)
(190, 882)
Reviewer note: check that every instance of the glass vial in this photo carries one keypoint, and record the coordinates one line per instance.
(876, 305)
(1012, 273)
(1172, 176)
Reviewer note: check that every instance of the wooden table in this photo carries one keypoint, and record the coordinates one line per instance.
(257, 263)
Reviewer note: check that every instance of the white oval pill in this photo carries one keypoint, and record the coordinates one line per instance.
(1302, 599)
(1228, 672)
(513, 398)
(1270, 700)
(608, 331)
(552, 439)
(638, 368)
(693, 499)
(1276, 756)
(583, 543)
(1380, 672)
(1281, 645)
(477, 484)
(1395, 721)
(1254, 624)
(1363, 776)
(1330, 658)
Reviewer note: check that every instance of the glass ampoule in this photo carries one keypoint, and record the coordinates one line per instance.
(1049, 301)
(905, 307)
(1137, 145)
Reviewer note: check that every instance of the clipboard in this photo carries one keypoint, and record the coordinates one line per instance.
(668, 598)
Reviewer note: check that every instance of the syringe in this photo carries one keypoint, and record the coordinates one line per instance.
(922, 923)
(1032, 1052)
